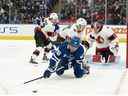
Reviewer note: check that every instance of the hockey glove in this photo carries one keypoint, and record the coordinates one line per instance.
(86, 44)
(114, 48)
(49, 71)
(47, 74)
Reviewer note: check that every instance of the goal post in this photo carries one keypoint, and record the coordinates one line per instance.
(127, 34)
(127, 46)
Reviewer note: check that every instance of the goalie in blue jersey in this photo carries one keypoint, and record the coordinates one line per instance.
(69, 55)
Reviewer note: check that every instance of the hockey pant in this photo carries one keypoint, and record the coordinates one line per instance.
(104, 52)
(63, 65)
(40, 39)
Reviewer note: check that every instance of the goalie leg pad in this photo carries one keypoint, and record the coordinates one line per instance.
(111, 59)
(96, 58)
(104, 52)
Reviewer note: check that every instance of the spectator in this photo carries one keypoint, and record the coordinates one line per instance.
(17, 11)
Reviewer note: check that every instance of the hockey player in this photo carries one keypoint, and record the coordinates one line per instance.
(77, 29)
(74, 30)
(42, 38)
(52, 19)
(68, 55)
(104, 37)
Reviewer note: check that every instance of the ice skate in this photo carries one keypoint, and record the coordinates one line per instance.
(33, 61)
(45, 58)
(87, 69)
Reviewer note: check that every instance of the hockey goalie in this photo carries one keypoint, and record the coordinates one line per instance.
(107, 43)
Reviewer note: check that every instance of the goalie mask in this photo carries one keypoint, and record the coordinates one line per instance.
(97, 26)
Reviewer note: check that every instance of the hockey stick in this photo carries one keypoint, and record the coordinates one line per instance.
(33, 79)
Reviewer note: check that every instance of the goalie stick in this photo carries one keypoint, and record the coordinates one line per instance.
(33, 79)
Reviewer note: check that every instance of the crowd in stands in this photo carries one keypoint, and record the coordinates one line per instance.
(25, 11)
(93, 10)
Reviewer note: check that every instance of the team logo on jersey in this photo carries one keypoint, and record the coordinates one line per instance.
(65, 55)
(58, 52)
(100, 39)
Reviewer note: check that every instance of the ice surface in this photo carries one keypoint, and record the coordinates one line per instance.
(15, 69)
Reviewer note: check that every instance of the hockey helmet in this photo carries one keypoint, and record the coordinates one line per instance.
(80, 24)
(53, 16)
(75, 42)
(98, 25)
(81, 21)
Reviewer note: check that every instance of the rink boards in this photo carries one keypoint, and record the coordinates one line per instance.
(25, 31)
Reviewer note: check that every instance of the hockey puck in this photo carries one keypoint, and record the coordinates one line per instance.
(34, 91)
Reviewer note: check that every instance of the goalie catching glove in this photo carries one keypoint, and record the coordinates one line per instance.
(114, 48)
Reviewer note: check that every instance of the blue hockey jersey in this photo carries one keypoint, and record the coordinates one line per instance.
(63, 53)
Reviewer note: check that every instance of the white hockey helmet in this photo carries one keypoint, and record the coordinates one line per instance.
(80, 24)
(81, 21)
(53, 16)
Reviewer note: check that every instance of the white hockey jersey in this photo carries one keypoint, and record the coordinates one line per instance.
(74, 33)
(69, 31)
(47, 21)
(101, 38)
